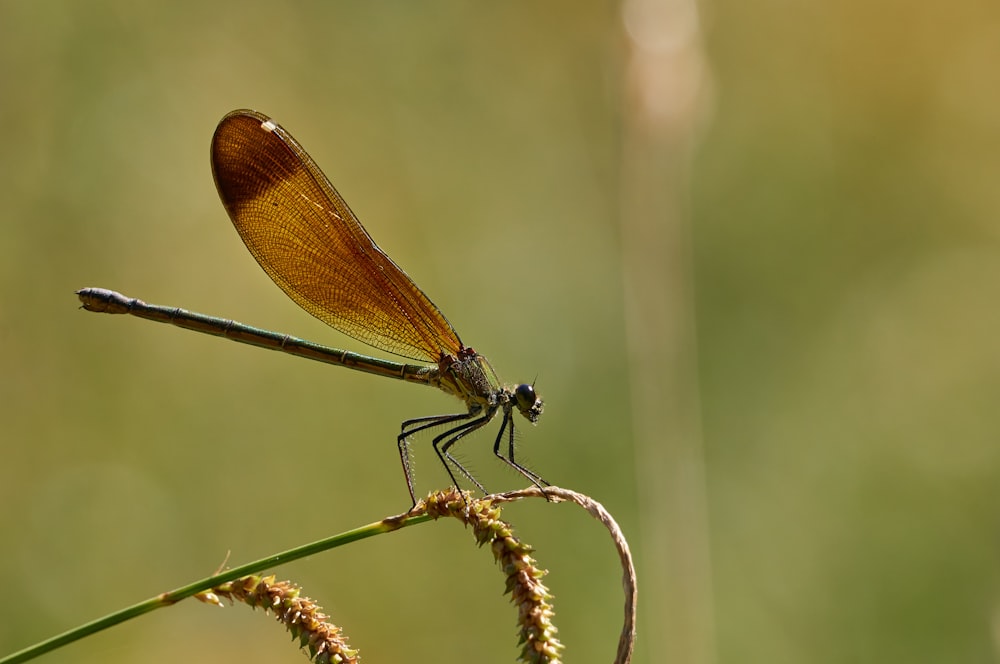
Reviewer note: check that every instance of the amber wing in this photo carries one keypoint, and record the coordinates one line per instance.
(309, 242)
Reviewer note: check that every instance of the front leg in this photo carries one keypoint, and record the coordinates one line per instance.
(508, 426)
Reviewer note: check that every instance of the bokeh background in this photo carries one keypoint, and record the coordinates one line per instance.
(749, 250)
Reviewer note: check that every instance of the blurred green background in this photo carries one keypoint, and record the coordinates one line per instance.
(750, 251)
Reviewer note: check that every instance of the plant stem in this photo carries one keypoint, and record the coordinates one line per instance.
(176, 595)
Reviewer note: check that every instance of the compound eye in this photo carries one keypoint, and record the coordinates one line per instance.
(528, 402)
(525, 395)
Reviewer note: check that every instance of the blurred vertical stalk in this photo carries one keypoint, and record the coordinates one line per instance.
(665, 84)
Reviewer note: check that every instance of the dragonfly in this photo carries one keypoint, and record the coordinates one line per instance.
(306, 238)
